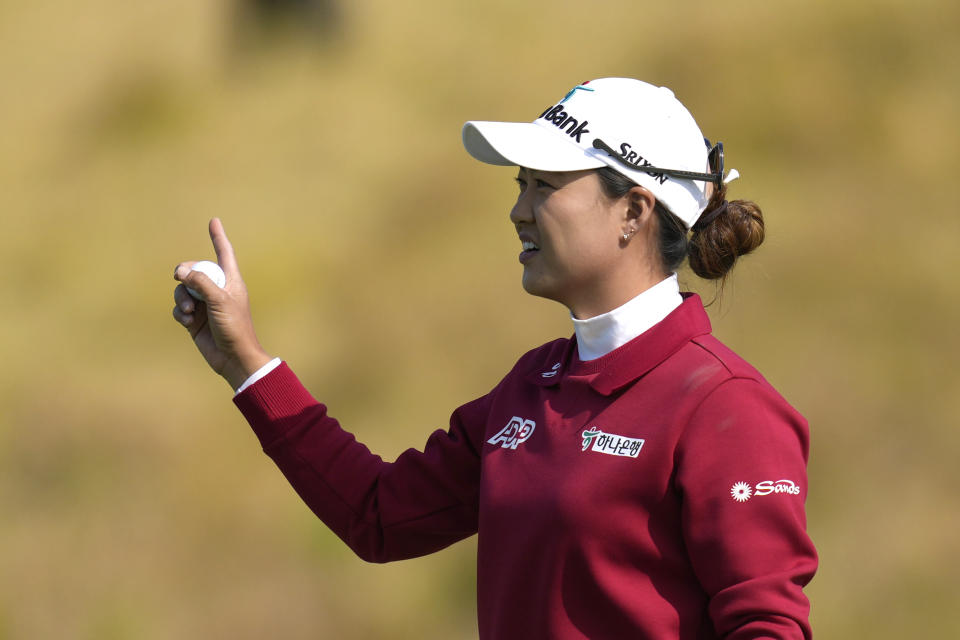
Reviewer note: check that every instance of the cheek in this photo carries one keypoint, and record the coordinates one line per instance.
(590, 241)
(579, 230)
(594, 256)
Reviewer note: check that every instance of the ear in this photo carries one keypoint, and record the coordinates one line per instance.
(640, 204)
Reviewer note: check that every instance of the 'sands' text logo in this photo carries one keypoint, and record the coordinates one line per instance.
(516, 432)
(741, 491)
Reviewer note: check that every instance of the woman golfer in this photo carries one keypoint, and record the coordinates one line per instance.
(638, 480)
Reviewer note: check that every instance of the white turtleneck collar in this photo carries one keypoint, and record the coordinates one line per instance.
(599, 335)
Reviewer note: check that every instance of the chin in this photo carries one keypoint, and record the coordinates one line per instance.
(537, 287)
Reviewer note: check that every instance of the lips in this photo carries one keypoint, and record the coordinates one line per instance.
(529, 250)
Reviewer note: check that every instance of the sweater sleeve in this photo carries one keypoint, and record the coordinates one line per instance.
(741, 470)
(422, 502)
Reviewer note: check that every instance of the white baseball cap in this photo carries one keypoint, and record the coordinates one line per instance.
(640, 130)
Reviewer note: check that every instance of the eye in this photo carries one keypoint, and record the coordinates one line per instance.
(538, 183)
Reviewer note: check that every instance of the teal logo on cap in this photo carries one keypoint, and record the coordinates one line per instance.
(581, 87)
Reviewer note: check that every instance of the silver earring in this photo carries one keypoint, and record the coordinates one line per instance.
(626, 236)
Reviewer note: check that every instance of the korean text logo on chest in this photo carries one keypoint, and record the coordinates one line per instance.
(611, 443)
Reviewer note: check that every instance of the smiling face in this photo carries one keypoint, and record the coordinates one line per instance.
(572, 239)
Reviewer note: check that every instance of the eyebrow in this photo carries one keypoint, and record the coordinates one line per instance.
(542, 173)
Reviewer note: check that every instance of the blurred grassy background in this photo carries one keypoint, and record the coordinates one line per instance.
(134, 501)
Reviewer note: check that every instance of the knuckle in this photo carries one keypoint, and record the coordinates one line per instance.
(181, 317)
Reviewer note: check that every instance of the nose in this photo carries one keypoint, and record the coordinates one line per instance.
(522, 211)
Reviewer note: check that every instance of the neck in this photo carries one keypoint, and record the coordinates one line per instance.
(603, 299)
(600, 334)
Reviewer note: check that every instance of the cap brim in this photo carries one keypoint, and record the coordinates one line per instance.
(524, 144)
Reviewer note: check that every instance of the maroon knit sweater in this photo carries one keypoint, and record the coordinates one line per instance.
(656, 492)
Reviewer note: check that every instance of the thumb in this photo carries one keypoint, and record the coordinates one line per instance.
(198, 283)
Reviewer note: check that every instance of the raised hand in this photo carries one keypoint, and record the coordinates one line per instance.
(221, 325)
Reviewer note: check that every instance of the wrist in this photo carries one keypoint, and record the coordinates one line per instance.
(239, 370)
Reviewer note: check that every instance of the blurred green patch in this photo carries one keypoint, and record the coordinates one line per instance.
(138, 108)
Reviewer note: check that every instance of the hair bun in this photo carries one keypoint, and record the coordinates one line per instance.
(726, 231)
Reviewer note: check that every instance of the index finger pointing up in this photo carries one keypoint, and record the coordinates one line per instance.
(225, 255)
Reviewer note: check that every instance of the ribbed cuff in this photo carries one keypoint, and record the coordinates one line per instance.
(259, 373)
(272, 404)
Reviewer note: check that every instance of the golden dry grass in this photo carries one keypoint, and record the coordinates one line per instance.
(134, 502)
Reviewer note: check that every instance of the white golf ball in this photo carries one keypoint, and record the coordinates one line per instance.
(213, 271)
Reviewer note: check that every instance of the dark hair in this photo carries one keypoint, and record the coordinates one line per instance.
(725, 231)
